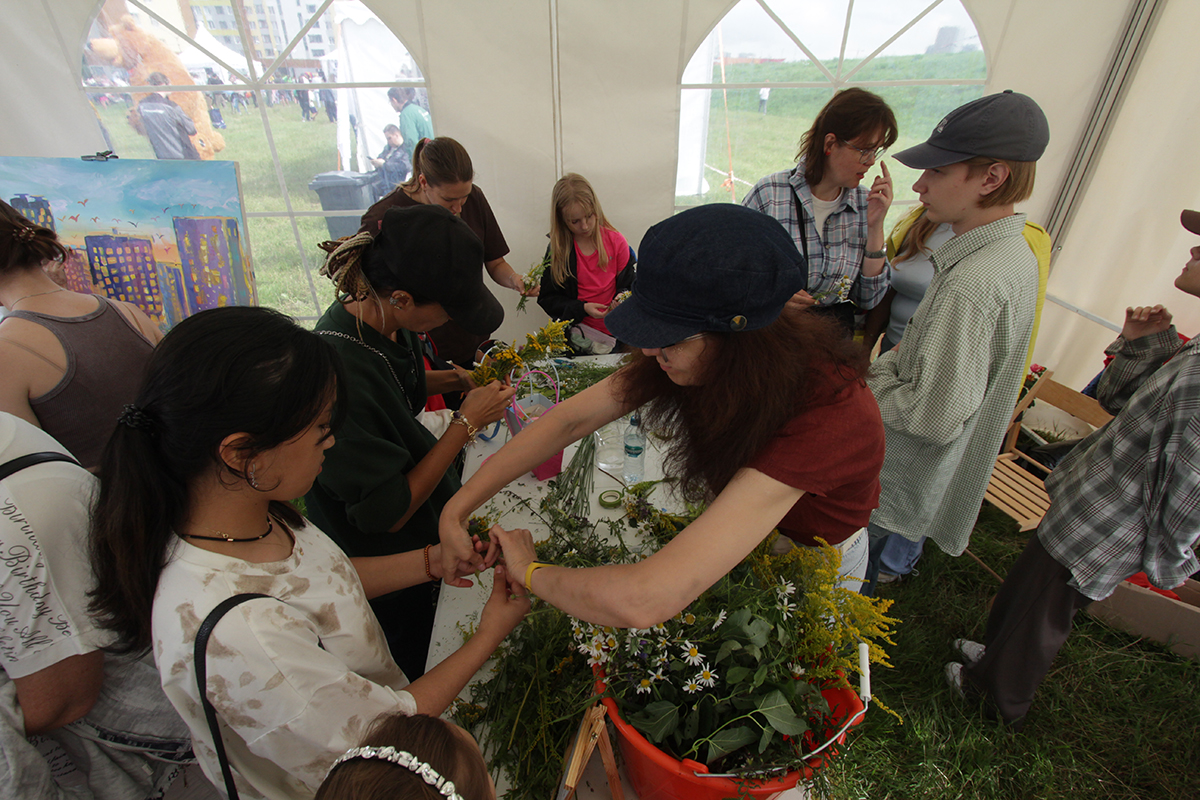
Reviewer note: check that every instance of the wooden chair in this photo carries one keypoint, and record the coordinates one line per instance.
(1015, 490)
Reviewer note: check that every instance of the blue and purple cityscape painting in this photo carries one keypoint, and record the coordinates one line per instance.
(167, 236)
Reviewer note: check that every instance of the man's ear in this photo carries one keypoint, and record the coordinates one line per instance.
(994, 178)
(401, 300)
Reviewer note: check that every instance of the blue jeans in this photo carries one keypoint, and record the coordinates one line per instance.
(889, 552)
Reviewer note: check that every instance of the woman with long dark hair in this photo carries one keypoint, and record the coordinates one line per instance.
(766, 412)
(237, 411)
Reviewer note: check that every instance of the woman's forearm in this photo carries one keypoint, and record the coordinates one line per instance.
(425, 476)
(382, 575)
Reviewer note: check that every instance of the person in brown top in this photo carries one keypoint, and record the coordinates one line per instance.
(442, 174)
(68, 361)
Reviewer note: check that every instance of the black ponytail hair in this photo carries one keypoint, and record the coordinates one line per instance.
(219, 372)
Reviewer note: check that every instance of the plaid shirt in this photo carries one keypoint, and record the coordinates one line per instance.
(1127, 498)
(946, 392)
(835, 263)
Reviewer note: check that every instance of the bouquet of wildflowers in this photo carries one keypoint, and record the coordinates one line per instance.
(733, 681)
(503, 359)
(533, 279)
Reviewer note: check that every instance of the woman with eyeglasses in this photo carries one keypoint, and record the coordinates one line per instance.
(763, 407)
(837, 224)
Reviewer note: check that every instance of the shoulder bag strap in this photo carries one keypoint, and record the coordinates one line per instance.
(801, 222)
(199, 656)
(20, 463)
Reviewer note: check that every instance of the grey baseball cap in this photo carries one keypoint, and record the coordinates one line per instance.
(1008, 125)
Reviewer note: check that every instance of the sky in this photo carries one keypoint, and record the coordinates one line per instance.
(820, 25)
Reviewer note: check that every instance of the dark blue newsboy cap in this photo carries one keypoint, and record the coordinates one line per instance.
(720, 267)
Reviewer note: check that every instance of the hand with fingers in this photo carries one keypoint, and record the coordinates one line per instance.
(1145, 320)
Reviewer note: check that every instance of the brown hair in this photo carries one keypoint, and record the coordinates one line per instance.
(573, 188)
(430, 739)
(441, 160)
(755, 382)
(24, 245)
(1017, 187)
(850, 114)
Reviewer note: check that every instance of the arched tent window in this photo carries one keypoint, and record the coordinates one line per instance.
(757, 81)
(236, 67)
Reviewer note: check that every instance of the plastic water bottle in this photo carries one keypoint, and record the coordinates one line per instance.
(635, 451)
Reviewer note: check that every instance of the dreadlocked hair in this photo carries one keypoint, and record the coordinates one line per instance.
(343, 265)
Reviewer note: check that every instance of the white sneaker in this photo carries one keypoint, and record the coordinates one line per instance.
(955, 679)
(971, 651)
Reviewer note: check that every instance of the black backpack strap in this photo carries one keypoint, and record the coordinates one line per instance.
(22, 462)
(199, 656)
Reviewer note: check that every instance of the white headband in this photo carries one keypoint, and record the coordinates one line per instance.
(408, 761)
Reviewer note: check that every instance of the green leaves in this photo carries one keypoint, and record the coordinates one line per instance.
(656, 721)
(727, 740)
(780, 715)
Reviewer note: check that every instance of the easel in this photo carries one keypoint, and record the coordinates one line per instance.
(592, 732)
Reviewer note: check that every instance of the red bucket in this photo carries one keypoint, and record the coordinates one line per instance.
(655, 775)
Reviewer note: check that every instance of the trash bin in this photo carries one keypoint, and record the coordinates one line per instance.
(343, 191)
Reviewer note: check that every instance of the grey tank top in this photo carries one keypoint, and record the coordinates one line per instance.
(106, 359)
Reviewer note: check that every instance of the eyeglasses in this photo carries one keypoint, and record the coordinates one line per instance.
(866, 154)
(688, 339)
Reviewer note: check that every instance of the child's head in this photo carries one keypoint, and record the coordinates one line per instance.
(409, 757)
(24, 245)
(575, 215)
(229, 395)
(994, 141)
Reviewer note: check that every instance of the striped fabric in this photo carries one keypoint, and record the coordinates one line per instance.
(1127, 498)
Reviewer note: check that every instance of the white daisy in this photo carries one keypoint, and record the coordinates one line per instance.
(691, 687)
(691, 654)
(720, 620)
(786, 588)
(706, 677)
(643, 686)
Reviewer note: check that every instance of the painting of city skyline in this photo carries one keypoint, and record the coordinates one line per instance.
(167, 236)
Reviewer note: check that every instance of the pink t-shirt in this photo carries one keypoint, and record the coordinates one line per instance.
(600, 285)
(833, 450)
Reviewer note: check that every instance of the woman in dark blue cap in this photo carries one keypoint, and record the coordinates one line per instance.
(765, 411)
(386, 478)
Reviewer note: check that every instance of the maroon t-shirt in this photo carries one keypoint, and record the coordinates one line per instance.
(833, 450)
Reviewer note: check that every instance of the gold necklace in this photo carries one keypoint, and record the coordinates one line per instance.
(12, 306)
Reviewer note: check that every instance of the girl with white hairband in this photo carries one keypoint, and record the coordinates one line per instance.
(416, 757)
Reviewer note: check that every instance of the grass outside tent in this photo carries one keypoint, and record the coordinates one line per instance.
(1117, 717)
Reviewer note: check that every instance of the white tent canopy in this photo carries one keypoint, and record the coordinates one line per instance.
(210, 53)
(534, 88)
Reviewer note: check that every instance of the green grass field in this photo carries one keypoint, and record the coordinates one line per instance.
(1117, 717)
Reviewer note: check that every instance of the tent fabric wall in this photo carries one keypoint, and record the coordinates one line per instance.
(492, 78)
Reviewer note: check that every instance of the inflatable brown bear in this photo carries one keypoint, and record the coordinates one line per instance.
(142, 54)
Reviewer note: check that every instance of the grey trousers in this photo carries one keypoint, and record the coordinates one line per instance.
(1029, 622)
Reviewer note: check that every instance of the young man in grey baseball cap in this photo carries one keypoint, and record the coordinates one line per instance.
(946, 392)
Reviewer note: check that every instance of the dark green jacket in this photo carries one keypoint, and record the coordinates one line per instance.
(363, 488)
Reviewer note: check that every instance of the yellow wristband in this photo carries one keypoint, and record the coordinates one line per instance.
(529, 571)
